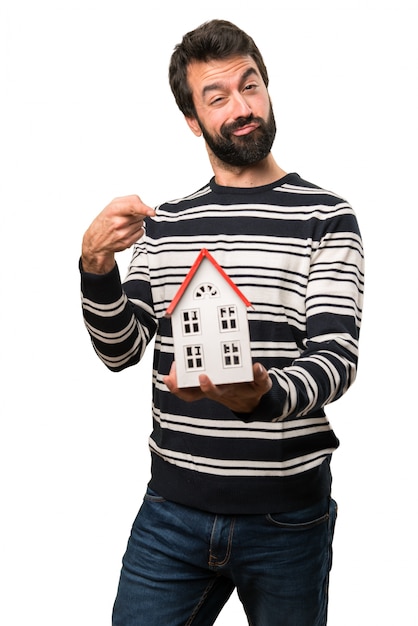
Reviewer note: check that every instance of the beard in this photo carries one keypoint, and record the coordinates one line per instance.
(246, 149)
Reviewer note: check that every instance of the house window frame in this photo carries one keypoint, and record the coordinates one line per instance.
(191, 326)
(194, 360)
(234, 354)
(228, 323)
(206, 290)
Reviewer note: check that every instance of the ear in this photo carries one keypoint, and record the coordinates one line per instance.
(194, 126)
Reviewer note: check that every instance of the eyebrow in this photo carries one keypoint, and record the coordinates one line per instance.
(215, 86)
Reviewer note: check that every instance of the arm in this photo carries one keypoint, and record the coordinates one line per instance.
(119, 329)
(115, 229)
(327, 366)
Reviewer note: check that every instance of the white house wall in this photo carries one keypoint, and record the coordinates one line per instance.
(211, 343)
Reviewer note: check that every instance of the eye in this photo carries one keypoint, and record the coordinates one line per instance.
(218, 101)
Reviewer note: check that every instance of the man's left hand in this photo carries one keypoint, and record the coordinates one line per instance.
(239, 397)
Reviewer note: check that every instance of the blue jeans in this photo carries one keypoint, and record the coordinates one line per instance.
(181, 565)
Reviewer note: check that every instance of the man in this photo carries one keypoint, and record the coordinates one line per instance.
(240, 492)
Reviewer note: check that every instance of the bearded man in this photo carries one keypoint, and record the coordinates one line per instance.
(239, 495)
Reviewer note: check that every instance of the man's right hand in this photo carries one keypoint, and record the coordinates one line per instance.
(115, 229)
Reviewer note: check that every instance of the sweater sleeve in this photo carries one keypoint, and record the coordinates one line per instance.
(327, 365)
(119, 329)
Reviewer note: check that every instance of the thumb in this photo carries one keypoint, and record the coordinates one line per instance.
(261, 376)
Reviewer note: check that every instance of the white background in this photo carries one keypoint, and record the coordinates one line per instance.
(87, 115)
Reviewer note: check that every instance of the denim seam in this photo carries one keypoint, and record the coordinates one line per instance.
(213, 562)
(298, 526)
(200, 603)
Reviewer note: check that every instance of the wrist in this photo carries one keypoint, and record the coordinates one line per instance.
(98, 264)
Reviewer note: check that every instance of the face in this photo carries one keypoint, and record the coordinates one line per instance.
(233, 110)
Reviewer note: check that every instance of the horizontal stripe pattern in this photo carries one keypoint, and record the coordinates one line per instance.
(295, 251)
(237, 429)
(247, 468)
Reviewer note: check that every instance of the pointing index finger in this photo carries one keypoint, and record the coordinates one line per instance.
(142, 209)
(132, 205)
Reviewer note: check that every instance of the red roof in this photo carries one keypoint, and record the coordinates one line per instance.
(203, 254)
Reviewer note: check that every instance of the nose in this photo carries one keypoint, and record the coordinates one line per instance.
(240, 106)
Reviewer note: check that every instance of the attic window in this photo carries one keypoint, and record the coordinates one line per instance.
(206, 289)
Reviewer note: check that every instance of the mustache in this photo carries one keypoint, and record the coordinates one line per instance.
(227, 129)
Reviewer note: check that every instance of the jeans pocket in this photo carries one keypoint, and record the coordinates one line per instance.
(152, 496)
(304, 519)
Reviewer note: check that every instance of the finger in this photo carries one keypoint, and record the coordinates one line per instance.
(261, 377)
(206, 385)
(189, 394)
(133, 206)
(171, 380)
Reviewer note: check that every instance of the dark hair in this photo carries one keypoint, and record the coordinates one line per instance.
(217, 39)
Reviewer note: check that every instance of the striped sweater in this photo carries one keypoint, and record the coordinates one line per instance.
(295, 251)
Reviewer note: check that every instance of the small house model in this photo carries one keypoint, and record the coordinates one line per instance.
(210, 326)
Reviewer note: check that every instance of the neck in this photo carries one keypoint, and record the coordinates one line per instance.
(256, 175)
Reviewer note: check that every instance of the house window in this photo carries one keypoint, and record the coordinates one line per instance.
(191, 322)
(193, 357)
(231, 354)
(206, 289)
(228, 318)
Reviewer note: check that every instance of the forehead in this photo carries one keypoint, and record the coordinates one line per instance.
(202, 75)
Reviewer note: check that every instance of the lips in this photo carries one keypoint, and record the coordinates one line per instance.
(241, 127)
(245, 130)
